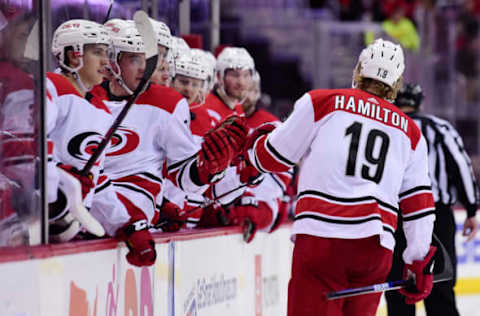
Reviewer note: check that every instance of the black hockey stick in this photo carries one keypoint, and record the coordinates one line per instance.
(107, 17)
(145, 28)
(445, 275)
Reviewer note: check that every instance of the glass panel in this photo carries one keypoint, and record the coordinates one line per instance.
(20, 141)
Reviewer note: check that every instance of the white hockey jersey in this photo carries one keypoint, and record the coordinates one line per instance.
(76, 127)
(364, 163)
(156, 129)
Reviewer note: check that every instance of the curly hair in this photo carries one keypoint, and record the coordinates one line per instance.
(376, 87)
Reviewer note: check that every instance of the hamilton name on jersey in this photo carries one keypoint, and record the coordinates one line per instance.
(371, 109)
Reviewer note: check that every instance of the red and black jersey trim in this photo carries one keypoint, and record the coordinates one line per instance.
(151, 176)
(415, 189)
(277, 155)
(103, 186)
(348, 200)
(138, 190)
(418, 216)
(178, 164)
(373, 217)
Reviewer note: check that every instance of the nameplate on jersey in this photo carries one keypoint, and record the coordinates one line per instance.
(371, 108)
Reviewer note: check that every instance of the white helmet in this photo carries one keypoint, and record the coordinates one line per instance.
(234, 58)
(209, 62)
(164, 37)
(179, 47)
(188, 66)
(75, 34)
(382, 61)
(125, 38)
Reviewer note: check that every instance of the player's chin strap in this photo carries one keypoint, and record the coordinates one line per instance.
(76, 76)
(445, 275)
(117, 75)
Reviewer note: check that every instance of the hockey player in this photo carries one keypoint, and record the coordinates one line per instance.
(234, 68)
(362, 158)
(155, 130)
(80, 47)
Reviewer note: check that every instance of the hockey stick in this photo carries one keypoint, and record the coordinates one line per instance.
(145, 28)
(445, 275)
(193, 210)
(107, 17)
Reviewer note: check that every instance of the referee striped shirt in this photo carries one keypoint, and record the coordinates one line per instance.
(450, 168)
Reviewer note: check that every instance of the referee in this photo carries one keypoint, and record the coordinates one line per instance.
(452, 178)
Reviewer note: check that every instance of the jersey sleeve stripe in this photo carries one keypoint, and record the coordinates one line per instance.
(415, 189)
(266, 157)
(416, 203)
(416, 216)
(277, 155)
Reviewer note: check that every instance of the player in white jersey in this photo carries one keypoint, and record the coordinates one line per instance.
(77, 122)
(364, 164)
(155, 130)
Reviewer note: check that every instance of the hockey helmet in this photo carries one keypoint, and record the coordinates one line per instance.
(188, 66)
(410, 95)
(383, 61)
(76, 34)
(164, 36)
(234, 58)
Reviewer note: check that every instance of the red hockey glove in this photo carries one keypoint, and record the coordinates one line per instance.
(214, 216)
(85, 181)
(172, 218)
(251, 215)
(214, 157)
(249, 174)
(237, 131)
(140, 243)
(421, 272)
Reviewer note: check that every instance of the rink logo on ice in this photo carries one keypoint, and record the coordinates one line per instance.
(210, 292)
(123, 141)
(83, 145)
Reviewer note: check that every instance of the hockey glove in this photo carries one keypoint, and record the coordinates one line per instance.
(214, 216)
(172, 218)
(85, 181)
(421, 272)
(140, 244)
(237, 132)
(214, 157)
(249, 174)
(252, 215)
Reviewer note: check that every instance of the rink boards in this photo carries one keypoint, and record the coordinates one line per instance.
(208, 273)
(211, 272)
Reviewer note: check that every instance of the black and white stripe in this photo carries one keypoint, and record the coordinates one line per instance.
(450, 167)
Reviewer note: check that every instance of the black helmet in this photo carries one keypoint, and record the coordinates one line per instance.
(410, 95)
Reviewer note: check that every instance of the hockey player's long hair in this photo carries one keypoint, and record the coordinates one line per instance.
(376, 87)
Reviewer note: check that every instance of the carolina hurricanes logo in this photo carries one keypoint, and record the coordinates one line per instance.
(83, 145)
(123, 141)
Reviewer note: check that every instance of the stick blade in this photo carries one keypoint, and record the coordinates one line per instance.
(145, 28)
